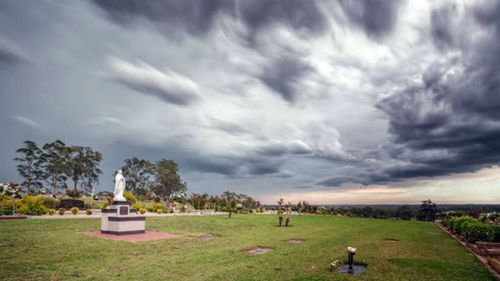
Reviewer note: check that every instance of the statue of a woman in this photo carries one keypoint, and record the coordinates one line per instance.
(119, 186)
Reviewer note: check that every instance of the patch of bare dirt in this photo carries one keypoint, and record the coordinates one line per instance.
(208, 237)
(259, 250)
(295, 241)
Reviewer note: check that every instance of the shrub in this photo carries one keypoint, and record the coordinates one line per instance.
(142, 211)
(159, 211)
(459, 224)
(106, 204)
(7, 205)
(138, 206)
(477, 231)
(183, 209)
(49, 202)
(61, 211)
(52, 212)
(31, 205)
(158, 206)
(88, 212)
(74, 210)
(496, 233)
(130, 197)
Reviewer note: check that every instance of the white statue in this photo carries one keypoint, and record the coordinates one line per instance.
(119, 186)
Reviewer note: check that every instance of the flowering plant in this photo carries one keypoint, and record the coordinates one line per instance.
(351, 250)
(10, 189)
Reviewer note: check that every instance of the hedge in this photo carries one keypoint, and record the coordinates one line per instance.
(473, 230)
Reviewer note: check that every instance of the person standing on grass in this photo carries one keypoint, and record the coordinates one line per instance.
(288, 215)
(280, 216)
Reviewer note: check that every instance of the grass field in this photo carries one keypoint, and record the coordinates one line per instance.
(56, 250)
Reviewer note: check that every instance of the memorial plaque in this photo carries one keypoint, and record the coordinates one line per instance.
(123, 210)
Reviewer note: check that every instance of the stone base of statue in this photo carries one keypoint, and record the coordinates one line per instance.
(120, 219)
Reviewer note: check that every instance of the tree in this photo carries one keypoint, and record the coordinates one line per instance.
(30, 166)
(55, 164)
(83, 167)
(167, 179)
(280, 202)
(427, 211)
(404, 212)
(139, 174)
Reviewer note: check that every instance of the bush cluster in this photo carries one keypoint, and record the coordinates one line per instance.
(74, 210)
(33, 205)
(130, 197)
(61, 211)
(158, 208)
(7, 205)
(472, 229)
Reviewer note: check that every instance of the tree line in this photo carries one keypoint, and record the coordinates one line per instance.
(55, 164)
(427, 211)
(228, 201)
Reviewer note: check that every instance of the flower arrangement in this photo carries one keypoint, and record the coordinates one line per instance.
(336, 263)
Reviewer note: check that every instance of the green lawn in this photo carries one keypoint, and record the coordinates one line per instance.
(56, 250)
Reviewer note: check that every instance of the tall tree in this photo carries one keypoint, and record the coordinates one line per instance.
(427, 211)
(139, 174)
(83, 167)
(55, 163)
(30, 166)
(167, 179)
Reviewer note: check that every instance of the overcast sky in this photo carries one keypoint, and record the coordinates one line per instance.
(327, 101)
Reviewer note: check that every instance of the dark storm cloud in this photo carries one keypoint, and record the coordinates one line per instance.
(211, 165)
(194, 16)
(9, 55)
(441, 31)
(280, 149)
(449, 122)
(376, 17)
(282, 76)
(198, 16)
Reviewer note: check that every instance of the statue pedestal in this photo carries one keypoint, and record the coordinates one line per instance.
(120, 219)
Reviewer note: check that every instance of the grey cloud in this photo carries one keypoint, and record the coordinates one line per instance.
(198, 16)
(376, 17)
(228, 127)
(280, 149)
(166, 85)
(27, 122)
(441, 29)
(211, 165)
(194, 16)
(282, 76)
(9, 53)
(449, 122)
